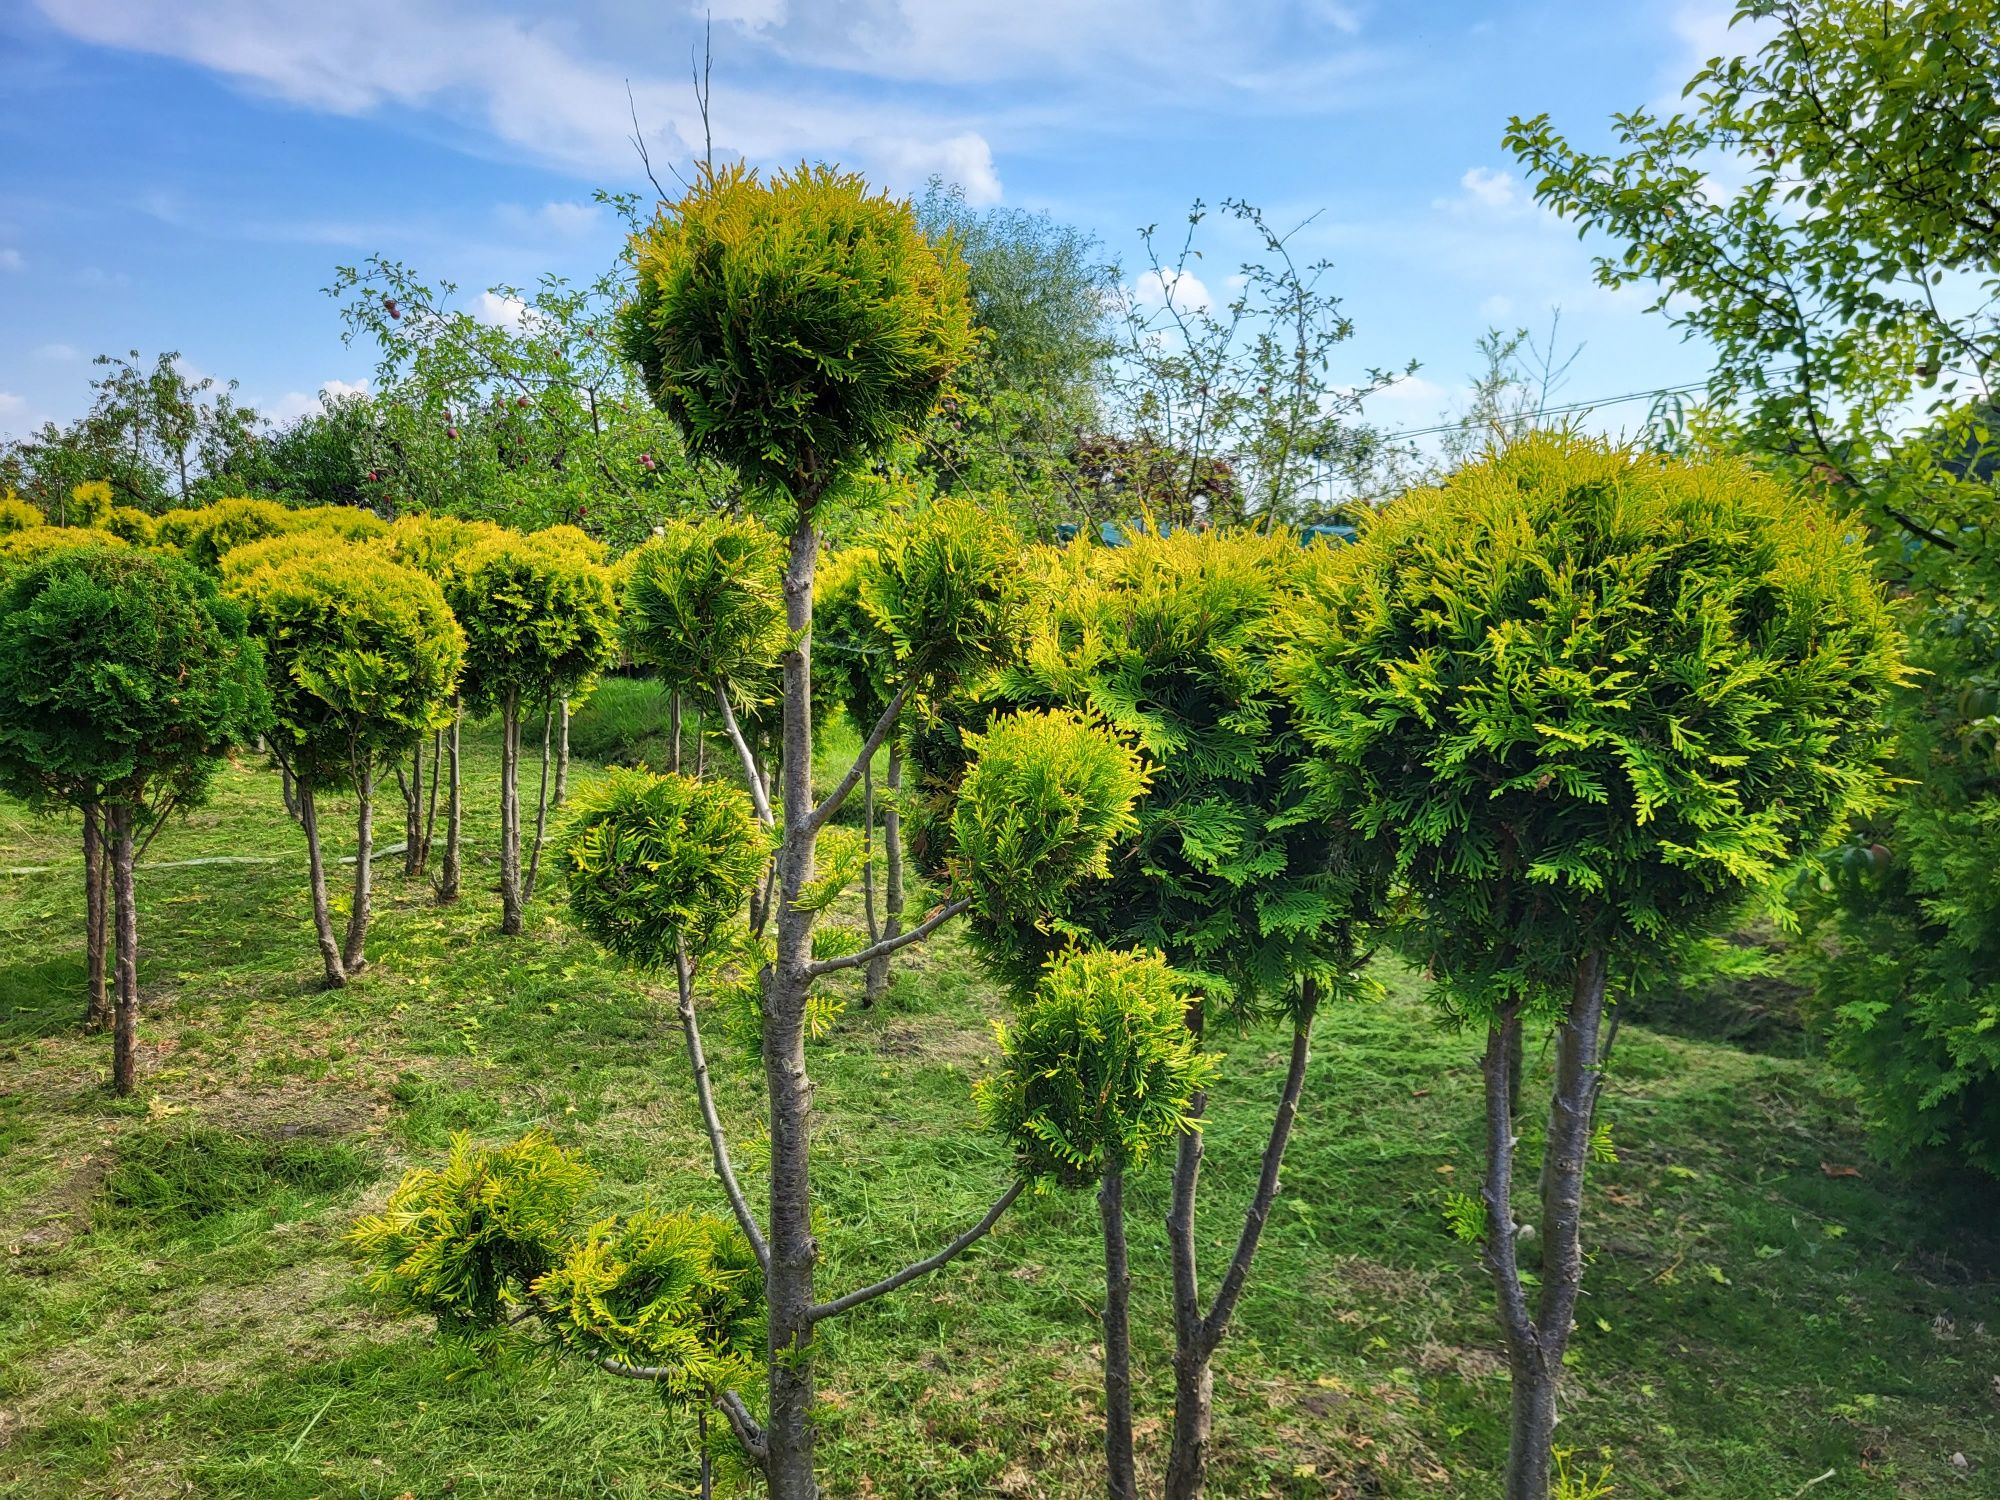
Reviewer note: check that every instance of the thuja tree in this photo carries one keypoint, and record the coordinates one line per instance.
(1097, 1074)
(433, 545)
(363, 659)
(1593, 699)
(495, 1244)
(540, 621)
(914, 611)
(793, 329)
(1267, 907)
(122, 678)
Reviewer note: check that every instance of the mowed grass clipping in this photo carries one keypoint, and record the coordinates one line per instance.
(1764, 1305)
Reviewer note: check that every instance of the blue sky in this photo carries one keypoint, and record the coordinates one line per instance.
(185, 174)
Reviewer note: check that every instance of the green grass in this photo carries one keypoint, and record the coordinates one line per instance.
(177, 1315)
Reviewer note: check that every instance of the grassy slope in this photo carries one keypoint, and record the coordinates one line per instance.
(179, 1320)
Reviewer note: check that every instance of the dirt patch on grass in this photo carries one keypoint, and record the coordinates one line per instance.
(938, 1041)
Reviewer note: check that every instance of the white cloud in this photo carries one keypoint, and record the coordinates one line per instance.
(966, 160)
(502, 312)
(62, 354)
(1494, 189)
(295, 404)
(567, 219)
(1152, 289)
(10, 260)
(1497, 308)
(1412, 390)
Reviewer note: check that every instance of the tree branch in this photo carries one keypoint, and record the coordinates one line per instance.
(1217, 1322)
(833, 799)
(887, 946)
(923, 1267)
(745, 1426)
(704, 1092)
(759, 798)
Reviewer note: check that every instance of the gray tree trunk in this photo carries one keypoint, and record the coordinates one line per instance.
(353, 950)
(892, 884)
(413, 813)
(329, 943)
(96, 917)
(510, 814)
(453, 819)
(125, 1025)
(562, 757)
(541, 816)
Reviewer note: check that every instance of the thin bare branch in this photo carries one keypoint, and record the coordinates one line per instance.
(759, 798)
(831, 804)
(705, 1093)
(908, 1274)
(887, 946)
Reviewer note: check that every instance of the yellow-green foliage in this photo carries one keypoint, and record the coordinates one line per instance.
(540, 621)
(431, 544)
(463, 1241)
(1098, 1068)
(653, 862)
(1039, 807)
(17, 548)
(1592, 696)
(17, 515)
(129, 524)
(705, 604)
(204, 535)
(576, 540)
(272, 551)
(349, 522)
(363, 657)
(679, 1294)
(90, 503)
(792, 328)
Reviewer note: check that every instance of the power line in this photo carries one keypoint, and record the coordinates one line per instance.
(1556, 411)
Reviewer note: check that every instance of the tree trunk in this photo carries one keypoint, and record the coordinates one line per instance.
(510, 814)
(674, 730)
(787, 981)
(96, 917)
(1537, 1341)
(413, 814)
(125, 1025)
(1196, 1339)
(892, 885)
(453, 818)
(1121, 1480)
(352, 952)
(329, 944)
(562, 757)
(1193, 1382)
(431, 811)
(290, 785)
(541, 816)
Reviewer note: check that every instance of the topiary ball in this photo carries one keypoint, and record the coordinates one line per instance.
(1099, 1067)
(655, 862)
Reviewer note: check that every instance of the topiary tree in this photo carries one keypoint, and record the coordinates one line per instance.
(363, 658)
(540, 622)
(204, 535)
(1592, 698)
(796, 329)
(1098, 1072)
(1269, 910)
(17, 514)
(432, 545)
(122, 678)
(495, 1240)
(917, 610)
(20, 548)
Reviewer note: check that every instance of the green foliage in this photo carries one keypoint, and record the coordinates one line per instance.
(705, 605)
(654, 862)
(238, 563)
(17, 515)
(19, 548)
(1174, 643)
(122, 677)
(1045, 796)
(130, 525)
(849, 655)
(795, 327)
(433, 544)
(363, 658)
(623, 723)
(679, 1293)
(1594, 697)
(1905, 917)
(1099, 1067)
(1465, 1217)
(937, 584)
(540, 621)
(348, 522)
(203, 536)
(464, 1241)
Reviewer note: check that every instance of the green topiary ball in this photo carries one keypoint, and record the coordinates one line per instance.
(793, 327)
(1099, 1067)
(540, 619)
(1593, 696)
(654, 862)
(1037, 811)
(705, 604)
